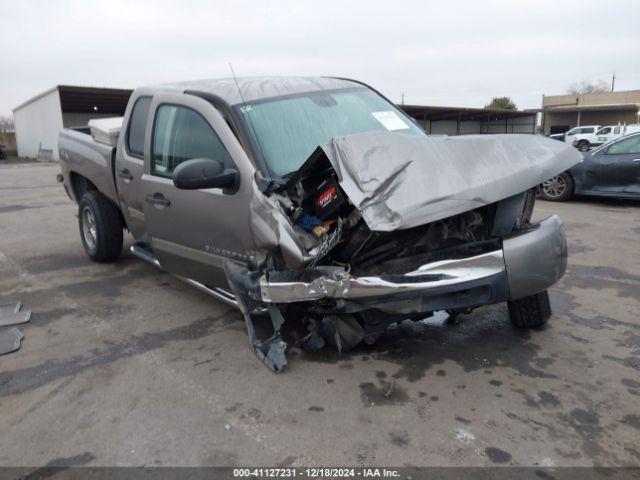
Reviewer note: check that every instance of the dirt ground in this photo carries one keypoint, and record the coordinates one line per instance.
(123, 364)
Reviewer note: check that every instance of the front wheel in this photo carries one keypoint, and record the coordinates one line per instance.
(558, 188)
(100, 227)
(583, 146)
(530, 312)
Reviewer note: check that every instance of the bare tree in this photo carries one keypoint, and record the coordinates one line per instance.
(586, 86)
(6, 122)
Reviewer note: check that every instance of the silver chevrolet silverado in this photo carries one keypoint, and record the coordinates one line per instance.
(317, 201)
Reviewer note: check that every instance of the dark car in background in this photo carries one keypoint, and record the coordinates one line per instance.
(613, 170)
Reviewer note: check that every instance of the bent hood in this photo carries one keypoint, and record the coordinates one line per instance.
(400, 181)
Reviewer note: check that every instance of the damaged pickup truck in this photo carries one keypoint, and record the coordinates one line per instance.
(316, 200)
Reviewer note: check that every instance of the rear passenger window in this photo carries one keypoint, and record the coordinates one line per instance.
(137, 126)
(627, 146)
(182, 134)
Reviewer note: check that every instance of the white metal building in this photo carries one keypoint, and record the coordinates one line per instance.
(39, 120)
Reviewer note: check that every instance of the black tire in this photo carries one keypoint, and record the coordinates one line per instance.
(530, 312)
(558, 189)
(584, 146)
(101, 229)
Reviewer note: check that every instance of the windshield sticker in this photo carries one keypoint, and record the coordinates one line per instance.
(390, 120)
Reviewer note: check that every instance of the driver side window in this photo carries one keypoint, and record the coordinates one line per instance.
(625, 146)
(181, 134)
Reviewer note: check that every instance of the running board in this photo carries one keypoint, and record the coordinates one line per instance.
(219, 293)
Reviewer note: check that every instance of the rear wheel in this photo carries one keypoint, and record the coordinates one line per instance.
(530, 312)
(100, 227)
(558, 188)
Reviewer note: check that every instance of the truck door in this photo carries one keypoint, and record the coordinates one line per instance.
(616, 168)
(194, 231)
(603, 136)
(129, 167)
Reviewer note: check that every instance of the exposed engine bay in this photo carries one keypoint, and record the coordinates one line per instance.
(333, 231)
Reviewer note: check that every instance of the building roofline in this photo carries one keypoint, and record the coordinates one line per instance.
(33, 99)
(604, 106)
(635, 90)
(72, 88)
(465, 113)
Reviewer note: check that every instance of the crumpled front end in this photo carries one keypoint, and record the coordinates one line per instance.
(366, 237)
(521, 265)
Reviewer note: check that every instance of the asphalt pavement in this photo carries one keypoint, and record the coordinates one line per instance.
(122, 364)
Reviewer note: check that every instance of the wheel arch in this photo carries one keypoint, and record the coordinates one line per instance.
(81, 184)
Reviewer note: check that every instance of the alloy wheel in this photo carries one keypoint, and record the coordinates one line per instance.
(555, 187)
(89, 228)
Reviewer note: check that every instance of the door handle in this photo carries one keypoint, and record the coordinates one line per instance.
(157, 200)
(125, 175)
(636, 159)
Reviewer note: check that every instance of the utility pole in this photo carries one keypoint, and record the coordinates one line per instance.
(613, 81)
(402, 101)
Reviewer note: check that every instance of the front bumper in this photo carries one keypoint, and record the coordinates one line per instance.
(527, 263)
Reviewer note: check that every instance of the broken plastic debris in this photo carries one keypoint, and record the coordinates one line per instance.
(10, 308)
(342, 331)
(14, 318)
(10, 339)
(465, 436)
(438, 318)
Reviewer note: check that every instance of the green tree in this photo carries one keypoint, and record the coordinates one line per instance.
(501, 102)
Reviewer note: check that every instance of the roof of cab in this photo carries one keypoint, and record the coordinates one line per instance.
(259, 88)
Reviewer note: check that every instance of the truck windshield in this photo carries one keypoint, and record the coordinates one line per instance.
(287, 130)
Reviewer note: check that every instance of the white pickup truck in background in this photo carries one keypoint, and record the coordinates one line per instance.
(585, 141)
(570, 135)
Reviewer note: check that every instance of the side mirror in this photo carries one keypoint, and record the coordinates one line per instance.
(204, 173)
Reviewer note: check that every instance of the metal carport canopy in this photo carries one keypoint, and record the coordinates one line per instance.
(462, 114)
(93, 99)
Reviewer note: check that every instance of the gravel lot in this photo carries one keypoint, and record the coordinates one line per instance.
(125, 365)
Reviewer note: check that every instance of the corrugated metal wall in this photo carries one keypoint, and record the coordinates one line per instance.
(525, 124)
(37, 126)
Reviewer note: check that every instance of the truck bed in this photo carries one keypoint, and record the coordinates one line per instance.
(81, 154)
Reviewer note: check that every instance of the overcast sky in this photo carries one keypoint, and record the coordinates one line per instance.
(436, 53)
